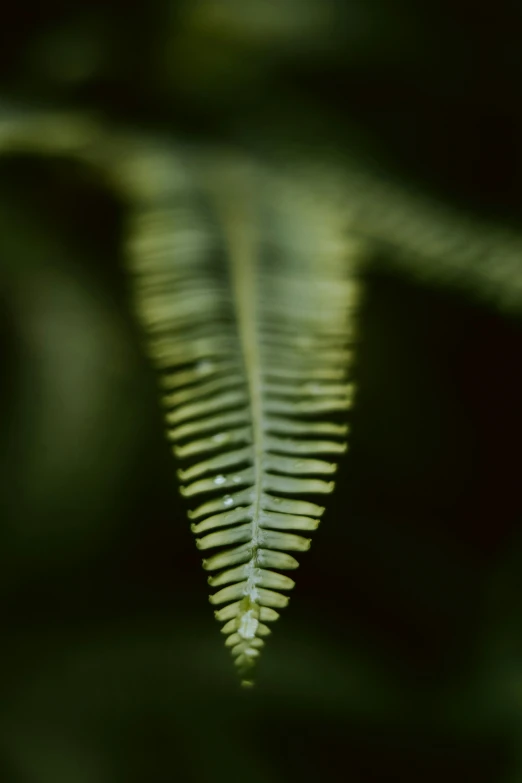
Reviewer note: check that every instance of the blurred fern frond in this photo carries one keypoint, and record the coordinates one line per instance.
(244, 278)
(250, 322)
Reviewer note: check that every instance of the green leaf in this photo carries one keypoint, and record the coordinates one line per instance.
(251, 321)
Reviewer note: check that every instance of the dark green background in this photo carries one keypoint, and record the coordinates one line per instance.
(400, 656)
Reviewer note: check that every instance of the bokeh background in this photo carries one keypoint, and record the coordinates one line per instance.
(400, 656)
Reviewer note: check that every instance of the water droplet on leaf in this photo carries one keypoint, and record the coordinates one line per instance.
(204, 366)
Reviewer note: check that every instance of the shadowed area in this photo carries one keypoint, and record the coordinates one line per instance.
(399, 656)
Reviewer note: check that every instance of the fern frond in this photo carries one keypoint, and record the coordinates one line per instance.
(245, 286)
(411, 232)
(246, 289)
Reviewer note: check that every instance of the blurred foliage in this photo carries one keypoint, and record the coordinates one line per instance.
(406, 665)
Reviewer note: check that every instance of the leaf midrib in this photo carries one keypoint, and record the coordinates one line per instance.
(236, 208)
